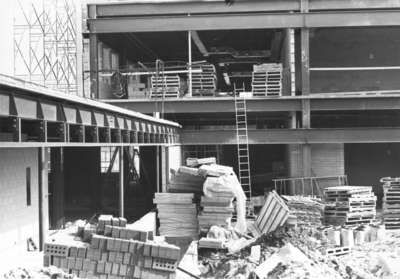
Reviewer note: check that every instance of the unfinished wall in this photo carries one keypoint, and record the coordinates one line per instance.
(354, 47)
(18, 221)
(326, 160)
(367, 163)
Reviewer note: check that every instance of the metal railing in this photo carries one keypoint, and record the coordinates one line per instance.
(307, 186)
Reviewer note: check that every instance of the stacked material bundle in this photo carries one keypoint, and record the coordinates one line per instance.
(166, 86)
(186, 180)
(306, 210)
(350, 205)
(391, 202)
(120, 253)
(177, 214)
(216, 210)
(204, 83)
(267, 80)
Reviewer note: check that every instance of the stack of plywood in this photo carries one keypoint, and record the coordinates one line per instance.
(177, 213)
(267, 80)
(307, 211)
(166, 86)
(205, 82)
(391, 202)
(349, 205)
(216, 210)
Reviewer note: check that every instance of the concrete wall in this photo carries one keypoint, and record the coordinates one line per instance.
(355, 47)
(18, 222)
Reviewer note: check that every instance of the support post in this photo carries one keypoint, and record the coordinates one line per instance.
(121, 182)
(164, 168)
(190, 62)
(41, 181)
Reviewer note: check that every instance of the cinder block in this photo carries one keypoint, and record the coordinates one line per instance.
(104, 256)
(115, 221)
(143, 236)
(95, 243)
(115, 269)
(130, 271)
(112, 256)
(71, 262)
(108, 230)
(73, 251)
(117, 244)
(103, 276)
(124, 245)
(140, 260)
(86, 265)
(82, 274)
(56, 261)
(119, 257)
(139, 248)
(92, 266)
(123, 233)
(137, 272)
(135, 235)
(115, 232)
(75, 272)
(46, 260)
(133, 260)
(108, 267)
(122, 222)
(103, 243)
(148, 262)
(96, 254)
(81, 252)
(154, 250)
(78, 263)
(132, 246)
(110, 244)
(100, 266)
(147, 249)
(127, 258)
(162, 251)
(64, 263)
(123, 270)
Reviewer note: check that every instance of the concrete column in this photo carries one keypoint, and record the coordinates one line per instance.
(190, 62)
(42, 194)
(121, 181)
(164, 168)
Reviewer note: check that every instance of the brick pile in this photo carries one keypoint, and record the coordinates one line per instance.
(115, 251)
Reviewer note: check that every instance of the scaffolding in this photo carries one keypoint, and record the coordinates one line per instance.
(45, 43)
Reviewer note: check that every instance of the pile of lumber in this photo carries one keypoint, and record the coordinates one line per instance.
(307, 211)
(165, 86)
(177, 213)
(349, 205)
(114, 251)
(204, 83)
(391, 202)
(267, 80)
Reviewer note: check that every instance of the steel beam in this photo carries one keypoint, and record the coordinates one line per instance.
(197, 7)
(293, 136)
(245, 21)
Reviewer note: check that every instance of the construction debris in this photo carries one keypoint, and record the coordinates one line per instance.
(349, 205)
(391, 202)
(115, 251)
(177, 213)
(305, 211)
(273, 214)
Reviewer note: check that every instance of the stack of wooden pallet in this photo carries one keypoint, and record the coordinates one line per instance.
(204, 83)
(305, 210)
(216, 210)
(267, 80)
(349, 205)
(166, 86)
(177, 214)
(391, 202)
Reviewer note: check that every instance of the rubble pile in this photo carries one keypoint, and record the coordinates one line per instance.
(304, 211)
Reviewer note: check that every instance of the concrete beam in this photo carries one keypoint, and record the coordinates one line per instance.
(201, 7)
(245, 21)
(294, 136)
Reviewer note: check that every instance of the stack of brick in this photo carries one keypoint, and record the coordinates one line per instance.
(391, 202)
(119, 253)
(177, 213)
(349, 205)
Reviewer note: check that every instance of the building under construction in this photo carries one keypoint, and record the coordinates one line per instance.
(292, 94)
